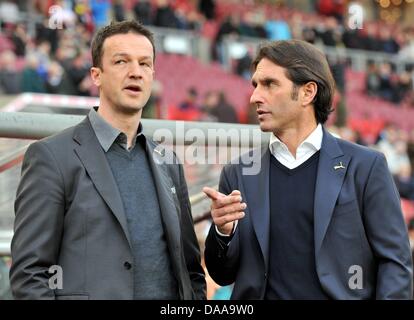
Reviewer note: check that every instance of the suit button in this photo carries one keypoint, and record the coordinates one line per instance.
(265, 275)
(127, 265)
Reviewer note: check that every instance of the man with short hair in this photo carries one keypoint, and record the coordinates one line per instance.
(322, 218)
(95, 201)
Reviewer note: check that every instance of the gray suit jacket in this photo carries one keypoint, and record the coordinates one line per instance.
(357, 222)
(69, 213)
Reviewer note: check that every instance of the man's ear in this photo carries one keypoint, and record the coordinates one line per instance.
(309, 91)
(96, 76)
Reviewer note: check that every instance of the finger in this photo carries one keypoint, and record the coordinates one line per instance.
(235, 193)
(228, 209)
(219, 221)
(211, 193)
(227, 200)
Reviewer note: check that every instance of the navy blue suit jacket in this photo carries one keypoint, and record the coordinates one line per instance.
(357, 222)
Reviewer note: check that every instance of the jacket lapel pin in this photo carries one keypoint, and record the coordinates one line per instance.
(339, 166)
(160, 152)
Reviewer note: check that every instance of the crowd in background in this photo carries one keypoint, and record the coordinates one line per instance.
(57, 60)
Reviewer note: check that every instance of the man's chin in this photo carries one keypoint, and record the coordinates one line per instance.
(264, 127)
(130, 109)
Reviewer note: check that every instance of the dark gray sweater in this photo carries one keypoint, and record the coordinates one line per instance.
(153, 275)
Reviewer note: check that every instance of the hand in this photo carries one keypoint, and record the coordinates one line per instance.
(225, 210)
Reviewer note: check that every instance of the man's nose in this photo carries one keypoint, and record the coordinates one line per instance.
(256, 97)
(135, 70)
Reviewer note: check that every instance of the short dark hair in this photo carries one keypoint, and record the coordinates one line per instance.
(113, 29)
(303, 63)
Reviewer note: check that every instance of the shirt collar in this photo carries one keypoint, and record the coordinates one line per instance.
(313, 142)
(107, 134)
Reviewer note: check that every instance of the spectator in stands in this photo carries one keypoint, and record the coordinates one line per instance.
(46, 34)
(100, 12)
(394, 148)
(10, 78)
(207, 8)
(405, 182)
(370, 41)
(277, 29)
(243, 66)
(77, 72)
(386, 85)
(351, 38)
(372, 80)
(84, 15)
(250, 26)
(229, 27)
(330, 34)
(165, 15)
(403, 87)
(143, 12)
(399, 158)
(303, 235)
(119, 10)
(309, 32)
(190, 101)
(97, 199)
(225, 111)
(333, 8)
(31, 80)
(19, 39)
(217, 108)
(388, 43)
(57, 81)
(338, 66)
(43, 54)
(186, 20)
(407, 52)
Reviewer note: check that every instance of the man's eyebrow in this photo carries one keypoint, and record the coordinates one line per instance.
(123, 54)
(269, 80)
(265, 80)
(120, 54)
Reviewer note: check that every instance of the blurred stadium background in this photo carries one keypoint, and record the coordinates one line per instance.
(205, 48)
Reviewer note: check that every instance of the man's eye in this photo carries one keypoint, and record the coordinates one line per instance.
(146, 64)
(120, 61)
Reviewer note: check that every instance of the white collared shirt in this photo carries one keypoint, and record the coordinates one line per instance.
(280, 151)
(306, 149)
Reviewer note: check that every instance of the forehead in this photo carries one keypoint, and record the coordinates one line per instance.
(267, 69)
(131, 43)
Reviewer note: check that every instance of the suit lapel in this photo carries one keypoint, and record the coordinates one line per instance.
(332, 168)
(165, 189)
(93, 159)
(258, 201)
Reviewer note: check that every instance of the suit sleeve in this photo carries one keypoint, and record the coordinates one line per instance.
(190, 242)
(38, 226)
(221, 256)
(387, 234)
